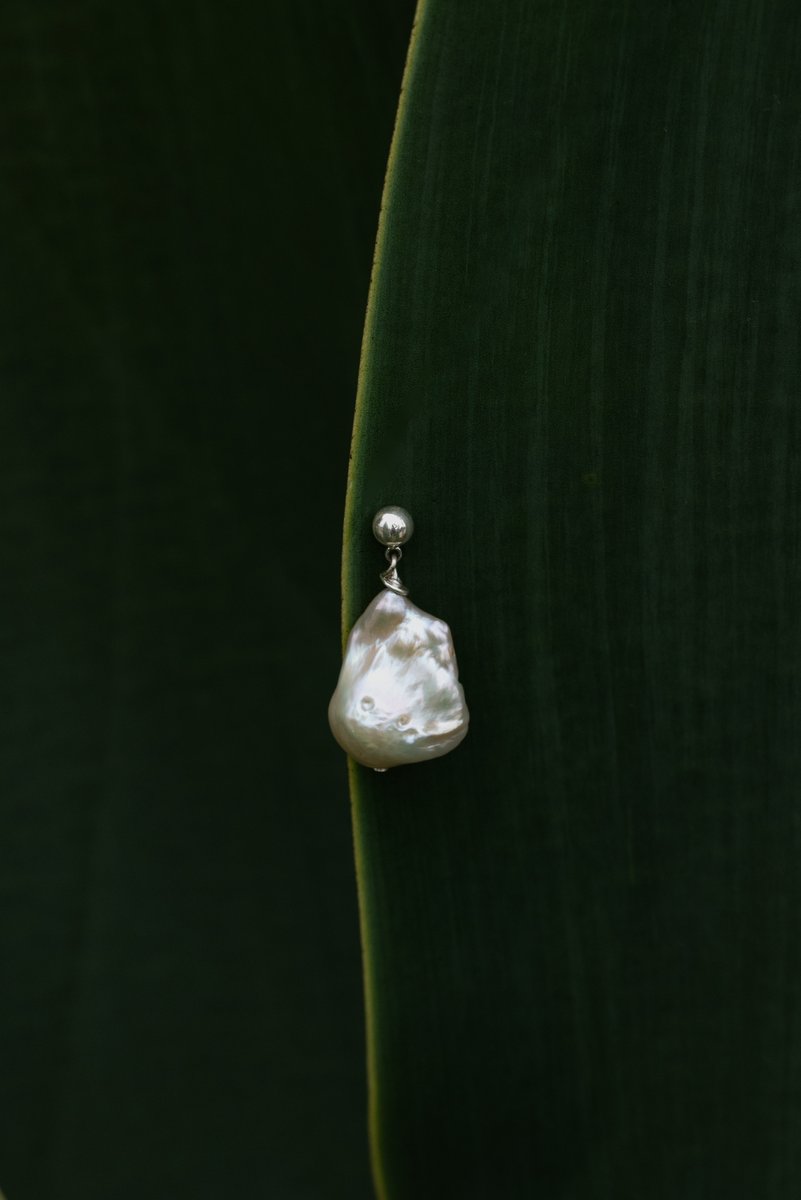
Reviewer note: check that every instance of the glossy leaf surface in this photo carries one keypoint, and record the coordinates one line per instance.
(581, 375)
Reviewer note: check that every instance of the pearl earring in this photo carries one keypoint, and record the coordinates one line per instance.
(398, 699)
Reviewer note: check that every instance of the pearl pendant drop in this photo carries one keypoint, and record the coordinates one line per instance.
(398, 699)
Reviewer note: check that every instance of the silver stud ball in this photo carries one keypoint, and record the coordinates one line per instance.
(393, 525)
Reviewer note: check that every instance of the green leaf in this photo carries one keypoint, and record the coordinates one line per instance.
(581, 375)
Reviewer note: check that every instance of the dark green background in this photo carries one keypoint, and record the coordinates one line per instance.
(188, 199)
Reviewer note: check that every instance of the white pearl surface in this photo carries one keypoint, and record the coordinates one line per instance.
(398, 699)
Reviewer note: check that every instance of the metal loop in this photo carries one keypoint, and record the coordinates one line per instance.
(390, 577)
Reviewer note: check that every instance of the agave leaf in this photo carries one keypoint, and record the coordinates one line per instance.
(580, 374)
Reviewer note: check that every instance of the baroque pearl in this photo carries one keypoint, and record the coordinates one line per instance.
(398, 699)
